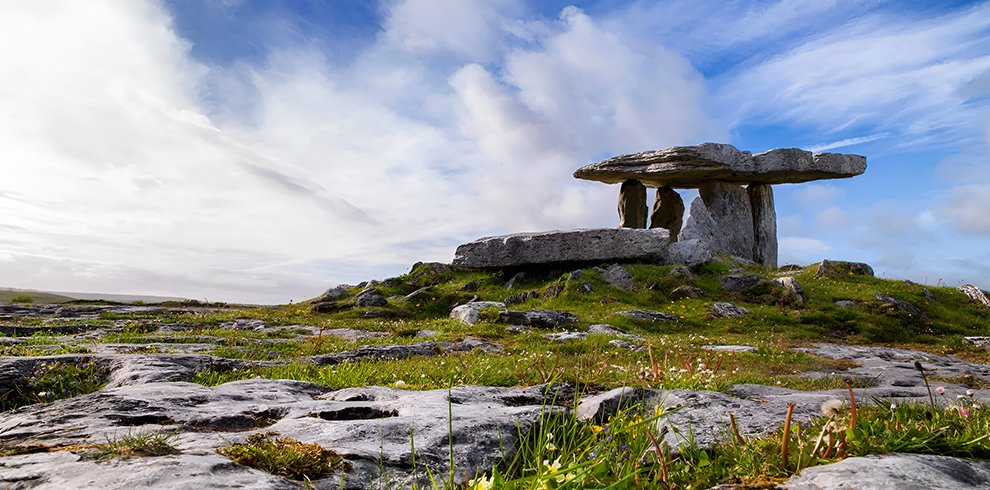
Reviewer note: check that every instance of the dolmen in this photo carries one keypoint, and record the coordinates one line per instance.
(733, 215)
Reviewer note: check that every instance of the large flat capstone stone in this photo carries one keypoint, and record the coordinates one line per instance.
(568, 246)
(690, 166)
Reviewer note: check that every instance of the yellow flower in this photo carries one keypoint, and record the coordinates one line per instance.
(553, 467)
(596, 429)
(481, 483)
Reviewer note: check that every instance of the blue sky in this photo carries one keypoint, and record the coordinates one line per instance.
(262, 151)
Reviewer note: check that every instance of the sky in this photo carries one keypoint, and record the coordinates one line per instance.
(262, 151)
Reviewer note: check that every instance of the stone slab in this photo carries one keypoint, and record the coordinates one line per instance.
(690, 166)
(567, 246)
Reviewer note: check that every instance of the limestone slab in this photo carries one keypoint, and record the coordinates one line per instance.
(567, 246)
(691, 166)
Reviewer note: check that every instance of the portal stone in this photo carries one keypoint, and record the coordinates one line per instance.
(668, 211)
(632, 204)
(728, 205)
(764, 224)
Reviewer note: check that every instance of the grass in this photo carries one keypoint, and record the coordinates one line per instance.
(562, 451)
(154, 443)
(627, 451)
(284, 456)
(53, 380)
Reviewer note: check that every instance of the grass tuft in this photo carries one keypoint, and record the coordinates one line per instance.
(285, 456)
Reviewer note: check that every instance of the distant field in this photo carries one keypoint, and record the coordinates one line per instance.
(6, 296)
(45, 297)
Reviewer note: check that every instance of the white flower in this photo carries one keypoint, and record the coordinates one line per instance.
(43, 394)
(893, 406)
(970, 393)
(831, 408)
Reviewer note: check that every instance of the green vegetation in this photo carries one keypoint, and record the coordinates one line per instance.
(284, 456)
(154, 443)
(623, 452)
(52, 380)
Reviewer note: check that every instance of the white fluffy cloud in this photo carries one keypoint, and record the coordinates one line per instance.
(117, 176)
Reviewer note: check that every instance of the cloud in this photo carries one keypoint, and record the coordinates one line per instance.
(846, 142)
(833, 217)
(154, 173)
(894, 72)
(801, 250)
(815, 194)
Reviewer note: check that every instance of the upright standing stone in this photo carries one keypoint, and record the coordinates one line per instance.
(632, 204)
(729, 207)
(764, 224)
(668, 211)
(700, 226)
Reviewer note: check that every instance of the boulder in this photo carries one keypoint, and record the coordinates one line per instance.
(896, 471)
(538, 318)
(764, 224)
(794, 290)
(561, 247)
(371, 298)
(328, 307)
(690, 166)
(976, 294)
(901, 305)
(727, 310)
(335, 293)
(683, 292)
(598, 408)
(739, 282)
(730, 348)
(732, 213)
(648, 316)
(468, 312)
(838, 268)
(689, 252)
(681, 272)
(618, 276)
(632, 205)
(668, 211)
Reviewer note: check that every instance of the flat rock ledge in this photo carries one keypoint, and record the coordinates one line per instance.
(691, 166)
(566, 246)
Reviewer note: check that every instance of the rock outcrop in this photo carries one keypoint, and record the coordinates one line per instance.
(632, 205)
(668, 211)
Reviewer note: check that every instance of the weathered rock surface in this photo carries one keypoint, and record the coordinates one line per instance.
(618, 276)
(668, 211)
(689, 166)
(700, 225)
(795, 293)
(682, 292)
(571, 246)
(895, 471)
(632, 204)
(836, 268)
(976, 294)
(727, 310)
(538, 318)
(335, 293)
(374, 429)
(468, 312)
(689, 252)
(648, 316)
(739, 282)
(764, 224)
(733, 215)
(901, 305)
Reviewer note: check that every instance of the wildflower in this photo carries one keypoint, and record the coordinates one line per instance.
(940, 390)
(399, 384)
(964, 412)
(832, 408)
(970, 393)
(481, 483)
(596, 429)
(893, 406)
(43, 394)
(959, 397)
(553, 467)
